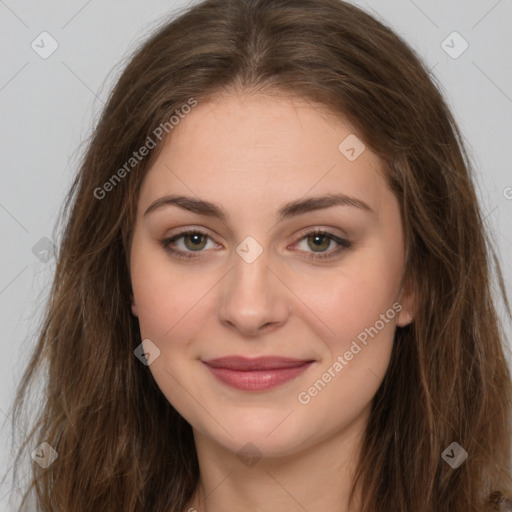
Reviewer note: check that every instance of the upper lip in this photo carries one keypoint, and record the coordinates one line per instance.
(257, 363)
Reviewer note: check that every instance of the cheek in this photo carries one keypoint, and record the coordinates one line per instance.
(172, 301)
(159, 293)
(358, 308)
(354, 298)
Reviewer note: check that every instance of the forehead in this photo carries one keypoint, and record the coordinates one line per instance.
(248, 150)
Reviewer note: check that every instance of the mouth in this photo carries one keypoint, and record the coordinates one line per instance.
(256, 374)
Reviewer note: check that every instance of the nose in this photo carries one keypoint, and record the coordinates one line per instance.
(253, 300)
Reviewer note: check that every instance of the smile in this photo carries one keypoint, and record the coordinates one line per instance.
(258, 374)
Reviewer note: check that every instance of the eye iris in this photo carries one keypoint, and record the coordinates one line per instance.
(316, 238)
(196, 237)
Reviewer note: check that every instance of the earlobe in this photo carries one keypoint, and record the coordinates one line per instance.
(405, 317)
(134, 307)
(408, 311)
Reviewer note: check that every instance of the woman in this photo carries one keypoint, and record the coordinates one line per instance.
(273, 289)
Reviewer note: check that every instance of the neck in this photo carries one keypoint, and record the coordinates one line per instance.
(318, 477)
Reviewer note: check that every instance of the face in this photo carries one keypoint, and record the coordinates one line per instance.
(266, 271)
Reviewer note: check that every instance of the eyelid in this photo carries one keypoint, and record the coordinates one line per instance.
(327, 230)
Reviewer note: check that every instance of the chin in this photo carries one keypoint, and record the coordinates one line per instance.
(274, 434)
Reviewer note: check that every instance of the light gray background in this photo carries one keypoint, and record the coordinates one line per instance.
(49, 105)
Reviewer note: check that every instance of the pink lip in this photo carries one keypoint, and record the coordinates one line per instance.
(256, 374)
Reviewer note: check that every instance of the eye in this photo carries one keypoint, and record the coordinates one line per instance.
(322, 240)
(195, 240)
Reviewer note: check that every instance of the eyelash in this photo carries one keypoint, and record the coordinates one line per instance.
(344, 244)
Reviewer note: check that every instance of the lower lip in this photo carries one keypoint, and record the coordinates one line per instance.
(258, 380)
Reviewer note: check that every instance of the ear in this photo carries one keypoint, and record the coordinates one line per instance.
(134, 307)
(408, 301)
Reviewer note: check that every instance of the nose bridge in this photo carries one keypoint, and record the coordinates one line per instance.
(252, 297)
(250, 277)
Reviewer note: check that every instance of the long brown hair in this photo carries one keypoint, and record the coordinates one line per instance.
(121, 446)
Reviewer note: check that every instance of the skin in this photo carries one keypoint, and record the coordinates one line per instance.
(252, 154)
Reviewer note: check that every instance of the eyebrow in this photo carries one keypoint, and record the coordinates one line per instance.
(291, 209)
